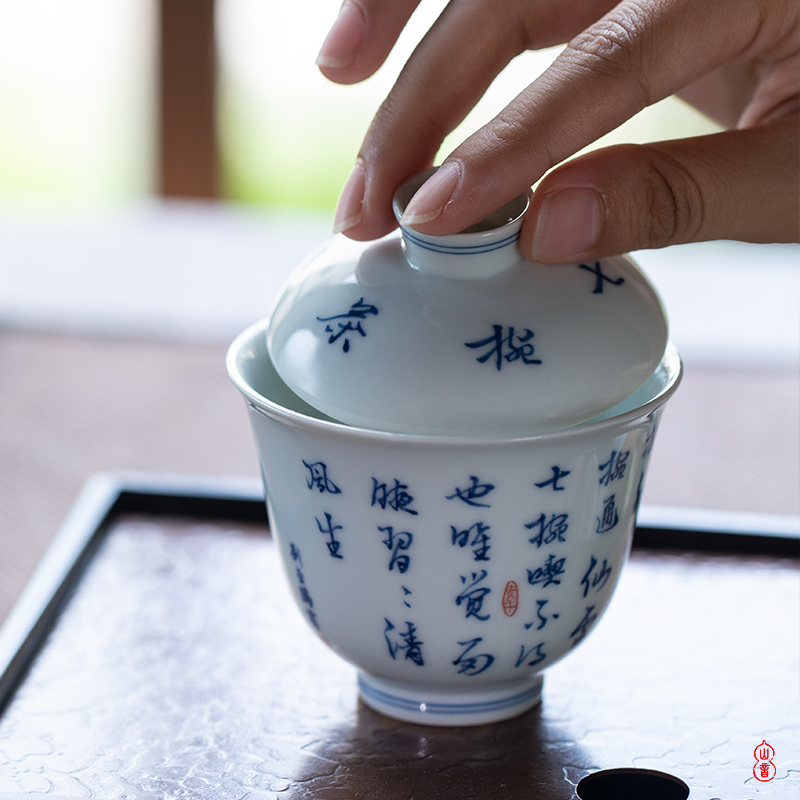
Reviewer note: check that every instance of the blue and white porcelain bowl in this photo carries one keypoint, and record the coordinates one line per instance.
(453, 442)
(451, 570)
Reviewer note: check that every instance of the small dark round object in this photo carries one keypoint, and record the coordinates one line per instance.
(631, 784)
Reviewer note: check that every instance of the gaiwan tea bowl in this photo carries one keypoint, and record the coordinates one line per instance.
(450, 570)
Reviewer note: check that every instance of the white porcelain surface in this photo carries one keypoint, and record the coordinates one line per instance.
(450, 570)
(459, 334)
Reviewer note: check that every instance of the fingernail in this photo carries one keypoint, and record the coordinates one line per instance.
(351, 201)
(431, 198)
(568, 225)
(340, 45)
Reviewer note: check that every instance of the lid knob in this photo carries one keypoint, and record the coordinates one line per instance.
(481, 251)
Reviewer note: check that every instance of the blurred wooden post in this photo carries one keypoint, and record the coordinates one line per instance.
(188, 151)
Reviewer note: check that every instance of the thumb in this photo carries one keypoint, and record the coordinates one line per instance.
(742, 184)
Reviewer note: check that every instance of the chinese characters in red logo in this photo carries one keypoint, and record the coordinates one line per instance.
(764, 769)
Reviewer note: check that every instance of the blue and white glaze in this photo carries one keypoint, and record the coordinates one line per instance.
(457, 334)
(451, 570)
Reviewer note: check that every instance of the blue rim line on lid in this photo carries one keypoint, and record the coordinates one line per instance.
(455, 249)
(392, 700)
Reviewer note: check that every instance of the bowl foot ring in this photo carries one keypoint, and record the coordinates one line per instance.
(436, 705)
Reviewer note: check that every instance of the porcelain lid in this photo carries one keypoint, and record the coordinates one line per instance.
(461, 335)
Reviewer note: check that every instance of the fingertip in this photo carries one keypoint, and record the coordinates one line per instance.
(370, 228)
(338, 51)
(567, 226)
(430, 200)
(350, 207)
(360, 213)
(361, 38)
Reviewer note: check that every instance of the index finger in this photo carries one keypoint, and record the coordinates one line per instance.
(633, 56)
(446, 75)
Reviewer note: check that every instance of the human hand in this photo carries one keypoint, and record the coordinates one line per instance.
(734, 59)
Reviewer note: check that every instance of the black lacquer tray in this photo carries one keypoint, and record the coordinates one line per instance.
(156, 654)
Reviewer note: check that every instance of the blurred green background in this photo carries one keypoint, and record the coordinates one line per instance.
(77, 108)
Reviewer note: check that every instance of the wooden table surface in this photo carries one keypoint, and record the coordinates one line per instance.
(180, 668)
